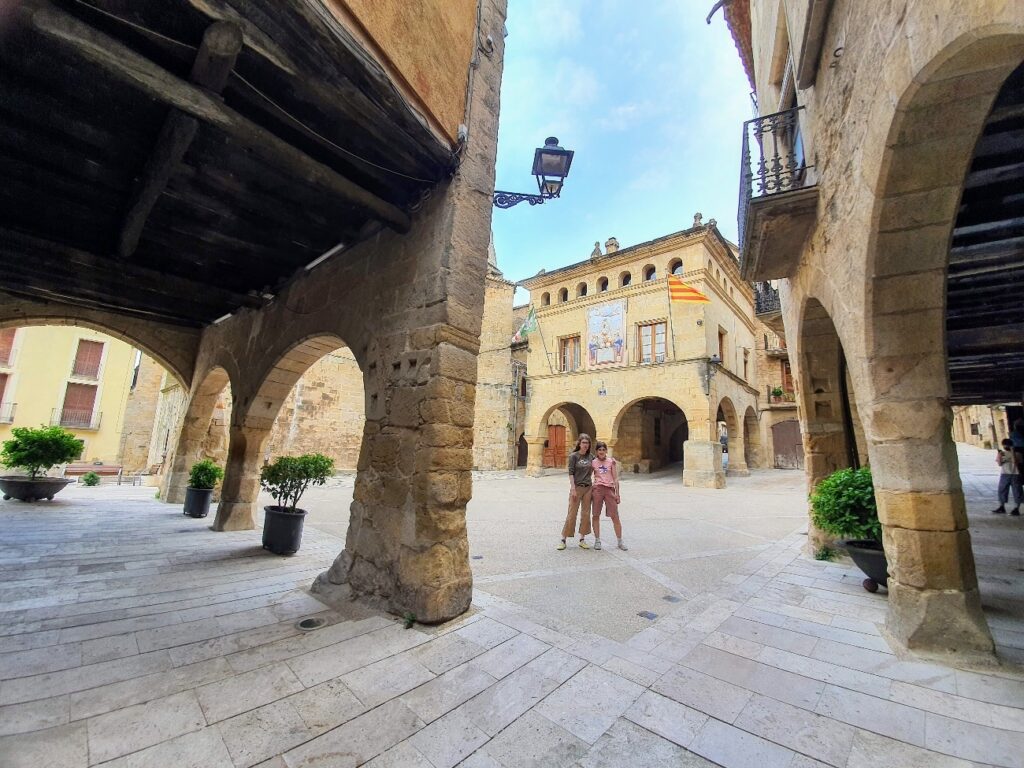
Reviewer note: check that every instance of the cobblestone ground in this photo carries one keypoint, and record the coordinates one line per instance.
(132, 636)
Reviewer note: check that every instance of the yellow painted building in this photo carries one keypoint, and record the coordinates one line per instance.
(74, 377)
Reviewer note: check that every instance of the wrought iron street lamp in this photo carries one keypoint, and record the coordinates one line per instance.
(710, 369)
(550, 167)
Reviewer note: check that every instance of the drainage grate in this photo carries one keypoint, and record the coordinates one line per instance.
(308, 625)
(647, 615)
(672, 599)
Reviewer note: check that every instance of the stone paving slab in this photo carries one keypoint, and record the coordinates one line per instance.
(183, 650)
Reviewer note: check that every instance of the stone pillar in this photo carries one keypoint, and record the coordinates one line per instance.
(241, 484)
(407, 548)
(737, 455)
(934, 604)
(535, 456)
(702, 464)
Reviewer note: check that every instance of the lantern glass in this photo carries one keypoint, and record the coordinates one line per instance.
(552, 187)
(552, 160)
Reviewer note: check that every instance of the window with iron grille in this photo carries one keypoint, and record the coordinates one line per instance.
(79, 403)
(569, 353)
(651, 342)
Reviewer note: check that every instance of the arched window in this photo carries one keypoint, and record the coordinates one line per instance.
(545, 299)
(650, 273)
(522, 387)
(563, 295)
(676, 267)
(602, 284)
(625, 279)
(581, 290)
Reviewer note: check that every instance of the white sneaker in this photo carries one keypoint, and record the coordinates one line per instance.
(622, 545)
(597, 543)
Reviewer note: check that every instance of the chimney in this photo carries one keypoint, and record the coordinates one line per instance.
(611, 245)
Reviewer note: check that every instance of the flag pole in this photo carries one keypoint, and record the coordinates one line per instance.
(547, 355)
(671, 332)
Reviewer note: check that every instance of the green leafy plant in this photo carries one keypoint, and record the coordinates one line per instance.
(90, 479)
(204, 475)
(825, 553)
(290, 476)
(843, 504)
(37, 450)
(777, 392)
(408, 618)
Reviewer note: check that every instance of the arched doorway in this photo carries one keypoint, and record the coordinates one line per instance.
(730, 438)
(752, 439)
(649, 434)
(522, 451)
(561, 427)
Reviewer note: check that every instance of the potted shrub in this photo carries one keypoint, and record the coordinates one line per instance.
(286, 480)
(90, 480)
(843, 504)
(203, 476)
(776, 394)
(36, 451)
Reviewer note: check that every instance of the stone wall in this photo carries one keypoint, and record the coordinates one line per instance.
(496, 413)
(983, 426)
(137, 427)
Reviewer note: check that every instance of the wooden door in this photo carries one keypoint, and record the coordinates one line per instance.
(554, 452)
(787, 444)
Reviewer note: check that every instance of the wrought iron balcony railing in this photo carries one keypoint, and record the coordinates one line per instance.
(766, 299)
(75, 418)
(7, 412)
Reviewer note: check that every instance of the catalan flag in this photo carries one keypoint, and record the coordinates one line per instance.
(680, 291)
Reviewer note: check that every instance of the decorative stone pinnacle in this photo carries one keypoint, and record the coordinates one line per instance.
(697, 218)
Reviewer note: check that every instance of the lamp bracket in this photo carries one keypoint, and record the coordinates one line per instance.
(508, 199)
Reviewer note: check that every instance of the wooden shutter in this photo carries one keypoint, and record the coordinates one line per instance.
(6, 345)
(79, 401)
(87, 359)
(3, 386)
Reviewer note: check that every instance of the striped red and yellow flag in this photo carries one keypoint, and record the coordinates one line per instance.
(680, 291)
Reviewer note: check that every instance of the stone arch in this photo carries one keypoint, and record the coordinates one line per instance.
(577, 419)
(650, 272)
(602, 284)
(625, 278)
(545, 299)
(933, 589)
(563, 295)
(138, 336)
(736, 456)
(752, 439)
(648, 433)
(581, 289)
(197, 439)
(675, 267)
(251, 423)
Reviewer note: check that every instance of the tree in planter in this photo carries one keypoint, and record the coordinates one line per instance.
(844, 505)
(286, 480)
(38, 450)
(204, 475)
(291, 476)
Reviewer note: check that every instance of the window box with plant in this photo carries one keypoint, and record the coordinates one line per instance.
(843, 505)
(777, 394)
(35, 451)
(202, 479)
(287, 479)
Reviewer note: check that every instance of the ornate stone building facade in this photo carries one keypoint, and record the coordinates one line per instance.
(615, 358)
(878, 191)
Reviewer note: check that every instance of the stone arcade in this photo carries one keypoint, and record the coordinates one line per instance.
(238, 146)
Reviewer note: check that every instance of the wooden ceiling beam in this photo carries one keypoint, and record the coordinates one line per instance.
(212, 67)
(138, 72)
(16, 246)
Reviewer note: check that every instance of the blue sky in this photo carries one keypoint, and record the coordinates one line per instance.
(652, 100)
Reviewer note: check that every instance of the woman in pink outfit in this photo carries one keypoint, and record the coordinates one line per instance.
(606, 494)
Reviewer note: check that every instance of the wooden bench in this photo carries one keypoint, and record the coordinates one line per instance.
(103, 470)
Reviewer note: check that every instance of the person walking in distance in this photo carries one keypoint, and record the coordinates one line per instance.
(606, 494)
(580, 481)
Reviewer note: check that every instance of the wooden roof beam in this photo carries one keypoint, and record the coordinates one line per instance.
(221, 44)
(139, 72)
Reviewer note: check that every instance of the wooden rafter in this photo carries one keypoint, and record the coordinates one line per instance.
(211, 69)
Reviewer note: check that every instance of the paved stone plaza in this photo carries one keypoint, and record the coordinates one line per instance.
(132, 636)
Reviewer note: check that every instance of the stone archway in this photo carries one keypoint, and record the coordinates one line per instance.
(934, 602)
(648, 434)
(203, 432)
(555, 434)
(736, 456)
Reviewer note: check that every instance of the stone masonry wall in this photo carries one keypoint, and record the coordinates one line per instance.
(497, 402)
(140, 416)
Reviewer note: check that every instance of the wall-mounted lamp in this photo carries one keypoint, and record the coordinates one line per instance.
(710, 369)
(550, 167)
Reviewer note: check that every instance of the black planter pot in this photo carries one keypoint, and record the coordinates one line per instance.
(282, 531)
(27, 489)
(870, 557)
(197, 501)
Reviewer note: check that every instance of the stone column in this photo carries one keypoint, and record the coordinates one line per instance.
(934, 603)
(535, 456)
(702, 464)
(241, 484)
(737, 454)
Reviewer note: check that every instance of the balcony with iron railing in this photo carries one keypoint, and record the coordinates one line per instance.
(7, 412)
(75, 418)
(768, 306)
(778, 196)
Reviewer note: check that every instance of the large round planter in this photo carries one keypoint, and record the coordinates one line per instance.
(870, 557)
(27, 489)
(197, 501)
(282, 531)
